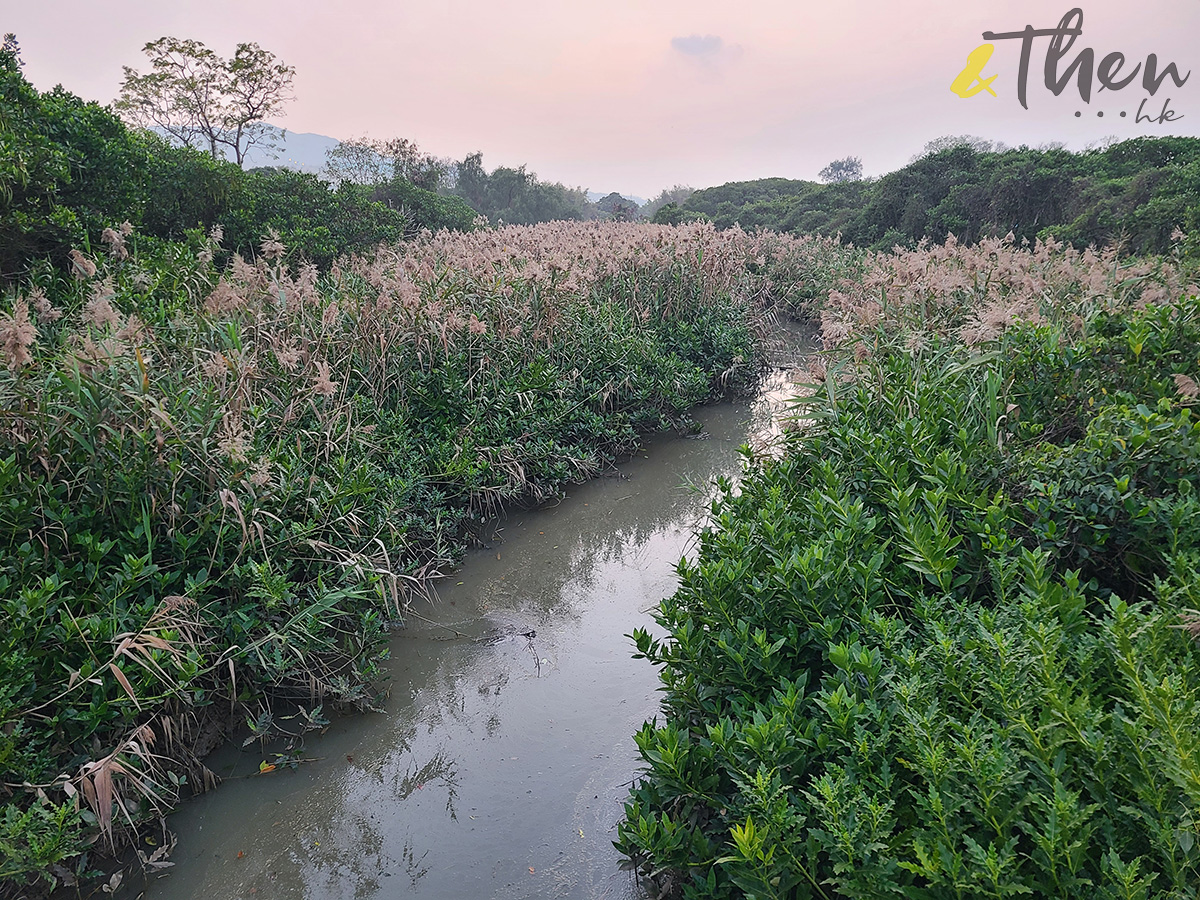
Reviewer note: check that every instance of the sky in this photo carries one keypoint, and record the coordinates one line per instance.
(639, 95)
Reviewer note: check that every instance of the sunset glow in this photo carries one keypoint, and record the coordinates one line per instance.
(633, 96)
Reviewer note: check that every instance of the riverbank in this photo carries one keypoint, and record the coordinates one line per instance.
(497, 753)
(945, 644)
(224, 485)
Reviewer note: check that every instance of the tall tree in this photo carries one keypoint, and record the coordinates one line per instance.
(205, 101)
(847, 169)
(471, 182)
(677, 195)
(617, 207)
(365, 161)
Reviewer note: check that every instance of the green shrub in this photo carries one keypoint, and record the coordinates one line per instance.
(68, 169)
(671, 214)
(884, 673)
(187, 189)
(317, 222)
(35, 842)
(425, 209)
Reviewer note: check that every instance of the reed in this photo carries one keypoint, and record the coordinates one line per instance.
(220, 486)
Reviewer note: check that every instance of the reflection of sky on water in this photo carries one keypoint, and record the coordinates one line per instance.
(501, 763)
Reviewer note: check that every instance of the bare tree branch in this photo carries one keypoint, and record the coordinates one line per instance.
(202, 100)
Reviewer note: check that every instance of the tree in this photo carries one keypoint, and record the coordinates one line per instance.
(673, 214)
(68, 170)
(617, 207)
(471, 182)
(516, 196)
(677, 195)
(364, 161)
(848, 169)
(950, 141)
(356, 162)
(202, 100)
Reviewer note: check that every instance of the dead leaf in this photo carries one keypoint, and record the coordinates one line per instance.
(120, 676)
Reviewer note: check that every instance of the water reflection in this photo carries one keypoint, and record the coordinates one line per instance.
(504, 754)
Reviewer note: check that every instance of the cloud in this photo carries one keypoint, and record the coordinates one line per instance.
(705, 47)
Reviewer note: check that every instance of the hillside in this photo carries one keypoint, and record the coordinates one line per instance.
(1138, 191)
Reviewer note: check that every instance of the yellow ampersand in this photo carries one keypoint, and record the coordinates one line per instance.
(970, 81)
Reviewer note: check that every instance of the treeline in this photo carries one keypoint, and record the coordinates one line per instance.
(506, 195)
(69, 169)
(1137, 191)
(516, 196)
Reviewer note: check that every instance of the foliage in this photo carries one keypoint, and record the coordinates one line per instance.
(846, 169)
(1117, 456)
(424, 208)
(885, 674)
(781, 204)
(202, 100)
(38, 840)
(219, 485)
(307, 214)
(516, 197)
(949, 141)
(186, 189)
(1137, 191)
(672, 214)
(31, 168)
(68, 169)
(617, 207)
(319, 221)
(676, 195)
(74, 170)
(375, 162)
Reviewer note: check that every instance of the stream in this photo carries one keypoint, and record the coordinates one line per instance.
(501, 761)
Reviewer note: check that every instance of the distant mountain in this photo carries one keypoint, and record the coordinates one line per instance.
(297, 150)
(301, 151)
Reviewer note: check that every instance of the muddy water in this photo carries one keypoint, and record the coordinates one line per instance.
(501, 762)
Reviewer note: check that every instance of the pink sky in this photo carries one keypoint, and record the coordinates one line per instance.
(638, 96)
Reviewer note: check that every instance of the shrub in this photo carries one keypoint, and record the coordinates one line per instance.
(68, 169)
(884, 672)
(425, 209)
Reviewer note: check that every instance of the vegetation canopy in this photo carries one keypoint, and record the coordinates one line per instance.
(944, 644)
(1133, 193)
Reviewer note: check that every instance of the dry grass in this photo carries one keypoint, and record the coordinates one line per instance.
(973, 292)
